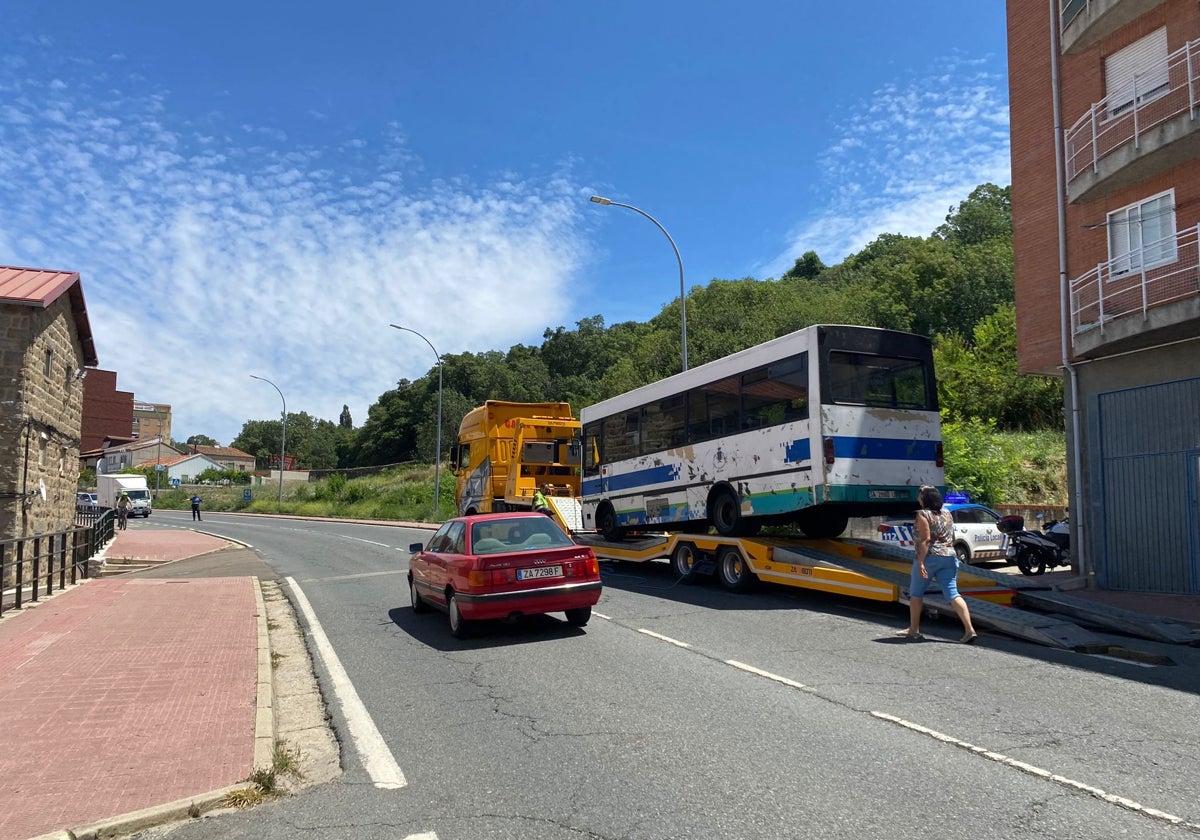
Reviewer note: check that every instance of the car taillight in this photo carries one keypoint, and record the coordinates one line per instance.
(828, 450)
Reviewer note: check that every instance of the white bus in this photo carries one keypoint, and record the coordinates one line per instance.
(814, 427)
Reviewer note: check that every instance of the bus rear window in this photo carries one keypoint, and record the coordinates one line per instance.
(862, 379)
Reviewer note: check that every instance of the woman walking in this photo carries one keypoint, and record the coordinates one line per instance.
(933, 533)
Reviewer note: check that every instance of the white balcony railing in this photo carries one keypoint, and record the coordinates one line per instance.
(1126, 284)
(1152, 97)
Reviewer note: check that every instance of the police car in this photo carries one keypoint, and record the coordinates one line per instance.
(976, 537)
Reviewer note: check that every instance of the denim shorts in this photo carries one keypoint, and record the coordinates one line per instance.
(941, 567)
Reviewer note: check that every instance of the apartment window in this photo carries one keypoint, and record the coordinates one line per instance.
(1137, 73)
(48, 365)
(1142, 235)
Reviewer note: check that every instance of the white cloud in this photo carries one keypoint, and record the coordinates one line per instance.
(204, 261)
(902, 160)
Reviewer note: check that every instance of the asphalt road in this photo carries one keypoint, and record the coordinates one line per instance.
(682, 711)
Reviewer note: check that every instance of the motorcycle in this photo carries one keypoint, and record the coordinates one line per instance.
(1058, 531)
(1030, 551)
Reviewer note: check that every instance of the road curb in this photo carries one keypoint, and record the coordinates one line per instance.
(181, 809)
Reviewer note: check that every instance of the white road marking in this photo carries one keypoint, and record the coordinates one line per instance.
(424, 835)
(602, 615)
(1112, 799)
(1104, 796)
(667, 639)
(767, 674)
(377, 759)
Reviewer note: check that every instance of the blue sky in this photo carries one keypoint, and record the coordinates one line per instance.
(262, 187)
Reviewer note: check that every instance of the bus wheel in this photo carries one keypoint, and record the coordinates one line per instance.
(683, 560)
(607, 520)
(732, 569)
(725, 512)
(823, 525)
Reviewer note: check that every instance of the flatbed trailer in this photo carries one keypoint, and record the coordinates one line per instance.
(842, 567)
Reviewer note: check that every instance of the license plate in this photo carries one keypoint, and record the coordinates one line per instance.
(539, 572)
(886, 494)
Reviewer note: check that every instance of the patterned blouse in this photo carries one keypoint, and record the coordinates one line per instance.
(941, 532)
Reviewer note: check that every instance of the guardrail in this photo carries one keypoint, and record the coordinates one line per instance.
(1117, 287)
(33, 567)
(1151, 97)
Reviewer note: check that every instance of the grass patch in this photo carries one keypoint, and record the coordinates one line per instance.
(264, 783)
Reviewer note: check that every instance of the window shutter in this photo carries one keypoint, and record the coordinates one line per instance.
(1142, 64)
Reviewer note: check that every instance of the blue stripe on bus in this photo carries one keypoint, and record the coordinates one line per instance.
(888, 449)
(661, 474)
(797, 451)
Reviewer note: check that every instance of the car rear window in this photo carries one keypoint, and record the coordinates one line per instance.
(525, 534)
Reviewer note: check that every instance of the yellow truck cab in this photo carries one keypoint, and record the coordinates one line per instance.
(506, 450)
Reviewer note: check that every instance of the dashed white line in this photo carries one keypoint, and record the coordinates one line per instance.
(750, 669)
(1098, 793)
(666, 639)
(377, 759)
(1033, 770)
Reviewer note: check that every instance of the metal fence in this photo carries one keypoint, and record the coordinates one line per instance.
(1149, 99)
(1124, 285)
(35, 567)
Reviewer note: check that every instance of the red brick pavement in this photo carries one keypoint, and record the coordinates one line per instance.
(161, 544)
(122, 694)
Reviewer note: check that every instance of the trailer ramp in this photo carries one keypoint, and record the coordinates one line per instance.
(1111, 618)
(1033, 593)
(1033, 627)
(568, 511)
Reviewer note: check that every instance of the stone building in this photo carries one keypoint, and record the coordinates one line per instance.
(45, 346)
(1106, 239)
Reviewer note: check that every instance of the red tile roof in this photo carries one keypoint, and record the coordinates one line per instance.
(40, 288)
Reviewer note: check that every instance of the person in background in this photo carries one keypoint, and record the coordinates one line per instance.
(124, 503)
(933, 534)
(196, 507)
(540, 504)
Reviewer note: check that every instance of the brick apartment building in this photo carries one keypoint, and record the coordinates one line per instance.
(1106, 218)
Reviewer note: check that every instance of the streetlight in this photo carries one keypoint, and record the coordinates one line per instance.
(682, 299)
(437, 455)
(282, 434)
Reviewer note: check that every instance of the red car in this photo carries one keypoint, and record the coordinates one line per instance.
(503, 565)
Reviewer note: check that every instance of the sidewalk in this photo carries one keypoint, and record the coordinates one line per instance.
(122, 694)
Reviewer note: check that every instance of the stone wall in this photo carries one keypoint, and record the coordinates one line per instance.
(41, 401)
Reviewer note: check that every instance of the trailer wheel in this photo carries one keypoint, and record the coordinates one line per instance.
(684, 559)
(732, 569)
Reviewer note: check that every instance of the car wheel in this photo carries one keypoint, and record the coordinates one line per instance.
(460, 628)
(418, 603)
(579, 617)
(683, 560)
(964, 554)
(732, 569)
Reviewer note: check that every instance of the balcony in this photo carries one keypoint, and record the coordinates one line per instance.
(1143, 129)
(1160, 282)
(1084, 22)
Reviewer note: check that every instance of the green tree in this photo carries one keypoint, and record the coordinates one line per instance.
(201, 440)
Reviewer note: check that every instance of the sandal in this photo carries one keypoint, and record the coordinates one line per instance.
(968, 639)
(905, 634)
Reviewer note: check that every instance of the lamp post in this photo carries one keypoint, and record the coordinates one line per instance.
(437, 455)
(597, 199)
(282, 433)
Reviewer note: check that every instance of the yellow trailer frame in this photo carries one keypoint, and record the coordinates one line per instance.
(802, 563)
